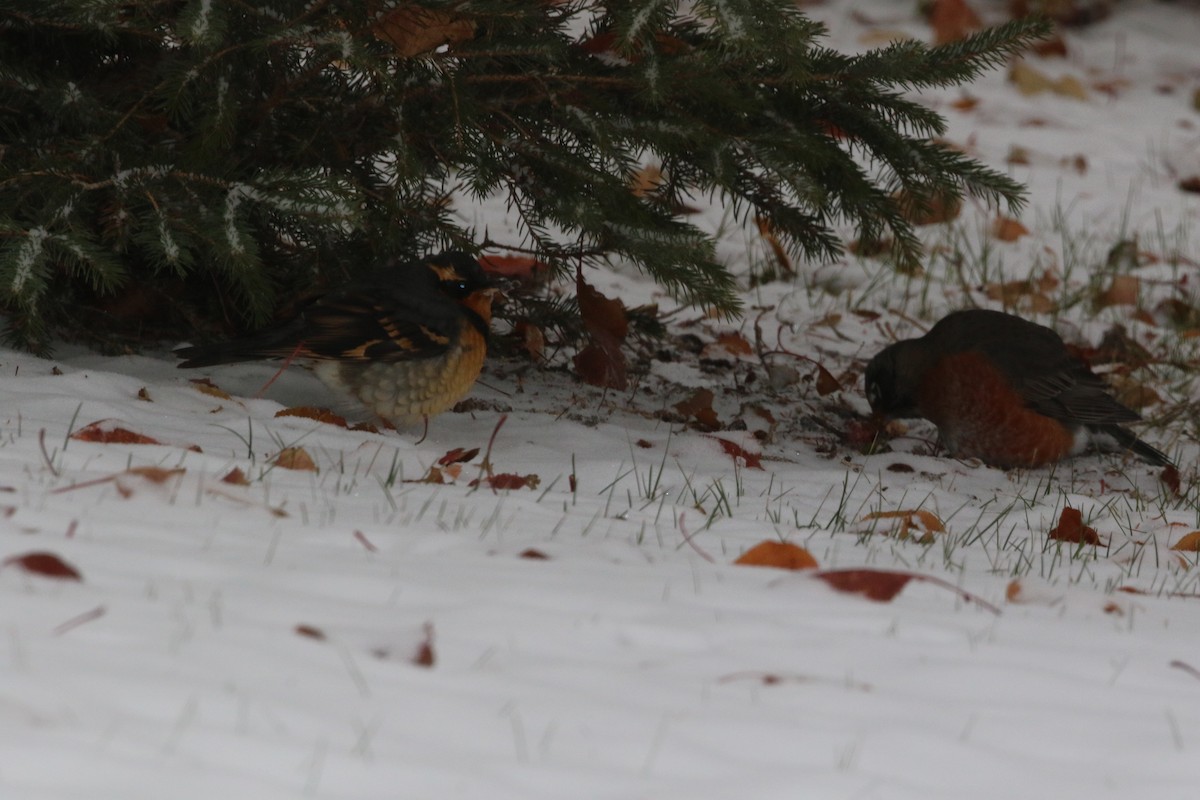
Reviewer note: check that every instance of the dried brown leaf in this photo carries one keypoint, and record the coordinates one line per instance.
(296, 458)
(1188, 543)
(699, 407)
(1070, 528)
(413, 30)
(45, 564)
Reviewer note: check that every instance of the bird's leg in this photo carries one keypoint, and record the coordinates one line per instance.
(287, 362)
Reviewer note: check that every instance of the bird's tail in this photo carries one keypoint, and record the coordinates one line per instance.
(1128, 440)
(277, 342)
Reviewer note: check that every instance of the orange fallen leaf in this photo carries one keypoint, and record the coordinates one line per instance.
(48, 565)
(425, 656)
(601, 363)
(310, 632)
(458, 455)
(156, 474)
(1054, 47)
(509, 480)
(699, 407)
(1189, 543)
(1123, 291)
(782, 555)
(522, 268)
(313, 413)
(295, 458)
(965, 103)
(434, 476)
(205, 386)
(883, 585)
(646, 180)
(102, 433)
(735, 343)
(920, 519)
(532, 339)
(1070, 528)
(1170, 477)
(826, 383)
(878, 585)
(236, 477)
(413, 30)
(1007, 229)
(778, 252)
(1030, 81)
(927, 210)
(751, 460)
(952, 20)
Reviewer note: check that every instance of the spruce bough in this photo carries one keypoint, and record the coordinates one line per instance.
(178, 165)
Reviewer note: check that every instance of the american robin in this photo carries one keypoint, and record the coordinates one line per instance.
(408, 341)
(1003, 390)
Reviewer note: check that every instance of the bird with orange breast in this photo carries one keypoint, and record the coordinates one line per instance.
(1002, 389)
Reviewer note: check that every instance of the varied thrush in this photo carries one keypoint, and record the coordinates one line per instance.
(408, 341)
(1001, 389)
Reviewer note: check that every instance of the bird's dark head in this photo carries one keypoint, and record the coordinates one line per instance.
(458, 274)
(890, 381)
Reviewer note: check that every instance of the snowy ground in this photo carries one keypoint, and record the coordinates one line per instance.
(349, 633)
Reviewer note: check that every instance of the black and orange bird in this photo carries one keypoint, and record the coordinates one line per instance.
(408, 341)
(1004, 390)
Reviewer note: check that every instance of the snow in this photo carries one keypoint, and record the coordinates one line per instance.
(261, 641)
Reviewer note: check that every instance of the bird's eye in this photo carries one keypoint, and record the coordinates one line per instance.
(456, 288)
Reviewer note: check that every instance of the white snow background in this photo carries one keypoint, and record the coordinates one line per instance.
(262, 641)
